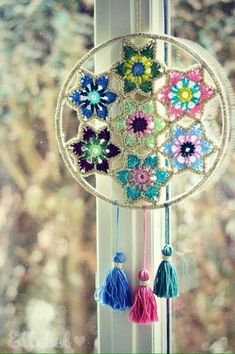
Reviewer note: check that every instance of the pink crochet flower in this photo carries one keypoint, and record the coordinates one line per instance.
(142, 178)
(186, 93)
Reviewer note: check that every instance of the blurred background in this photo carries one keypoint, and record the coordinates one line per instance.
(47, 222)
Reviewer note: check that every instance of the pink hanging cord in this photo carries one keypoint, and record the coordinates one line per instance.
(145, 236)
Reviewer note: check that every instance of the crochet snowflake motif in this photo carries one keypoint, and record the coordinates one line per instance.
(92, 97)
(185, 93)
(146, 133)
(138, 68)
(139, 124)
(93, 150)
(142, 178)
(187, 148)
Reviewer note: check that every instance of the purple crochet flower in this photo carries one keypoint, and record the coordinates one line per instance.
(93, 150)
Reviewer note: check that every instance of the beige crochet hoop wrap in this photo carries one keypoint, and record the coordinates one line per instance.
(145, 124)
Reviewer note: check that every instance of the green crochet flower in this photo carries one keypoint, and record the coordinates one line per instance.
(139, 125)
(138, 67)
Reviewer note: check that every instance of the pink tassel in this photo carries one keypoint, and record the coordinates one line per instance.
(144, 309)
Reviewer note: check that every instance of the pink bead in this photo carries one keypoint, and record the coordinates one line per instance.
(143, 275)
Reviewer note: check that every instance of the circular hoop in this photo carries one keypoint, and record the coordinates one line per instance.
(225, 109)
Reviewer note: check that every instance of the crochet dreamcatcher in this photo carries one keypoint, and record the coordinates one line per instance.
(158, 130)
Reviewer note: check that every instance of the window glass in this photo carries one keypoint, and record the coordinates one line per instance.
(47, 235)
(204, 226)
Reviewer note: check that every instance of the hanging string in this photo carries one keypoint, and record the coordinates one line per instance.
(138, 13)
(166, 279)
(167, 209)
(117, 225)
(167, 219)
(145, 237)
(167, 242)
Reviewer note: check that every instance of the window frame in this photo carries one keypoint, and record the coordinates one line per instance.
(115, 333)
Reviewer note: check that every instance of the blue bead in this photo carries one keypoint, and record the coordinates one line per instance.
(119, 257)
(167, 251)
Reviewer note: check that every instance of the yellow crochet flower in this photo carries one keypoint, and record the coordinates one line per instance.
(138, 69)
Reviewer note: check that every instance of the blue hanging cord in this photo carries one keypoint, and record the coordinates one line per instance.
(115, 291)
(117, 225)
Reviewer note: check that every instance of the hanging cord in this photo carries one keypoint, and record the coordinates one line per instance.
(138, 15)
(168, 301)
(115, 291)
(117, 209)
(167, 209)
(167, 220)
(145, 237)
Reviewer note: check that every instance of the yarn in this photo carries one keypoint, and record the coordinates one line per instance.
(166, 280)
(144, 309)
(115, 291)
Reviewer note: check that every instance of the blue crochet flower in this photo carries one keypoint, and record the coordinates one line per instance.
(187, 148)
(92, 97)
(142, 178)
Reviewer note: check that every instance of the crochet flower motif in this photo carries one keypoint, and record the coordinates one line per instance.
(92, 97)
(93, 150)
(139, 124)
(142, 178)
(138, 67)
(188, 148)
(185, 93)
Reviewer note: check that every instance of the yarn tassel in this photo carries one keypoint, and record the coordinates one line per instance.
(144, 309)
(166, 280)
(115, 291)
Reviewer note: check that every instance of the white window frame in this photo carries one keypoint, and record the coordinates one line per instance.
(115, 333)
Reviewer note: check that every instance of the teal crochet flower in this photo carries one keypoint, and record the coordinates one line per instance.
(142, 178)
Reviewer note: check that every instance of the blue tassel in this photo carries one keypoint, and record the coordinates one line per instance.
(115, 291)
(166, 280)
